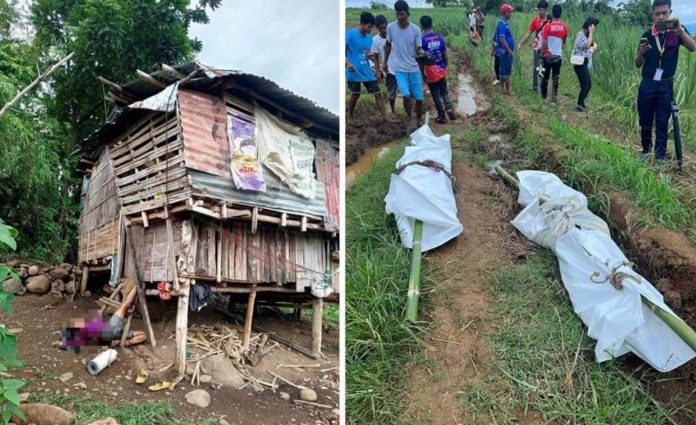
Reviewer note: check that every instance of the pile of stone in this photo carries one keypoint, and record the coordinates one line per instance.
(41, 280)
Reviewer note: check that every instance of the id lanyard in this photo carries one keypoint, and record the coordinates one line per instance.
(661, 49)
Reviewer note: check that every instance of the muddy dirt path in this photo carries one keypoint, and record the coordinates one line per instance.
(455, 350)
(458, 308)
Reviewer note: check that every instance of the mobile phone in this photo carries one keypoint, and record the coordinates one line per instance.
(668, 25)
(644, 41)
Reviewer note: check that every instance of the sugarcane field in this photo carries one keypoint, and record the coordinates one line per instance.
(170, 224)
(520, 246)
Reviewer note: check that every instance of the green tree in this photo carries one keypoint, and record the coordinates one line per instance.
(38, 137)
(637, 12)
(9, 396)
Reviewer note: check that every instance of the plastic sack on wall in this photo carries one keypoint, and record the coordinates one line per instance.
(287, 152)
(423, 191)
(245, 167)
(603, 288)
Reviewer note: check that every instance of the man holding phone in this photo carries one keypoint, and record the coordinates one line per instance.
(658, 54)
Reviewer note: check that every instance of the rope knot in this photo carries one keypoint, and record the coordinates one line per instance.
(615, 277)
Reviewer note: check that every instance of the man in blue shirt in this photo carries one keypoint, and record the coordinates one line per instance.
(657, 55)
(506, 46)
(435, 71)
(358, 69)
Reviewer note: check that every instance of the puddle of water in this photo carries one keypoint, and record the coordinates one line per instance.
(466, 100)
(356, 169)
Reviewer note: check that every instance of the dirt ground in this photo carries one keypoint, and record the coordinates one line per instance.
(40, 319)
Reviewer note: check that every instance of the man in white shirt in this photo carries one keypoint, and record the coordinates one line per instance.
(402, 46)
(378, 42)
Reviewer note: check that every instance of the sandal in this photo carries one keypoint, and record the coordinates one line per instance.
(141, 377)
(163, 385)
(440, 120)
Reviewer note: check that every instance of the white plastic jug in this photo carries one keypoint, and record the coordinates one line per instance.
(101, 361)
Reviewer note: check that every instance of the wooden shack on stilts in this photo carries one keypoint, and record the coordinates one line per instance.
(214, 178)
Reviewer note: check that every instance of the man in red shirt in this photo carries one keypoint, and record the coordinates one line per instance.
(553, 36)
(535, 28)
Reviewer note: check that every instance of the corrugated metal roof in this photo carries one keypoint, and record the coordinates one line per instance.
(277, 196)
(207, 80)
(204, 128)
(261, 85)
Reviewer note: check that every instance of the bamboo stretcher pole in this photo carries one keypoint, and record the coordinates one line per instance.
(414, 278)
(675, 323)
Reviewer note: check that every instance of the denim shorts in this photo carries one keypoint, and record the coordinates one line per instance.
(410, 84)
(505, 66)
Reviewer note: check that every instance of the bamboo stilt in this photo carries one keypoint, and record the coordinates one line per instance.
(317, 317)
(248, 321)
(83, 282)
(182, 328)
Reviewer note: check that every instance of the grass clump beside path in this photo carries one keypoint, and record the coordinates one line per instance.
(545, 368)
(379, 340)
(87, 410)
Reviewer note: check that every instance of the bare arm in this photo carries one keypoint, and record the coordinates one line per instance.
(375, 61)
(640, 55)
(689, 42)
(589, 37)
(525, 38)
(503, 42)
(387, 51)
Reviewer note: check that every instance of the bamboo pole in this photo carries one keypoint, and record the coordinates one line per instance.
(38, 79)
(414, 278)
(674, 322)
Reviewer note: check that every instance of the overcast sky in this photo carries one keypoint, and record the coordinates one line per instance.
(295, 43)
(684, 9)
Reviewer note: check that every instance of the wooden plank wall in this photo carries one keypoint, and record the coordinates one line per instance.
(148, 164)
(274, 255)
(99, 218)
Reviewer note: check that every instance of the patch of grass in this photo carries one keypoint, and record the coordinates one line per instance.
(46, 376)
(88, 410)
(545, 362)
(379, 340)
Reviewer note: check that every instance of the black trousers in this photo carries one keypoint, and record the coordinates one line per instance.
(654, 106)
(585, 80)
(440, 97)
(551, 68)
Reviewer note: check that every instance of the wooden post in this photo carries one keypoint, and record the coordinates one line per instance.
(254, 220)
(218, 277)
(171, 260)
(317, 316)
(140, 286)
(182, 326)
(248, 320)
(83, 283)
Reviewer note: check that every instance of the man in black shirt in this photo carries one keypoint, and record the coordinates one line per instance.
(658, 54)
